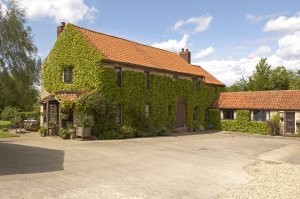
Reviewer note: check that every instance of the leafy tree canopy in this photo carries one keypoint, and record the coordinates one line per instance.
(266, 78)
(19, 63)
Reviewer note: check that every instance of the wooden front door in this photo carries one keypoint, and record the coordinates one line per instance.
(289, 122)
(180, 114)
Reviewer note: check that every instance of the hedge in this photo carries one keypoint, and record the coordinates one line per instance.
(242, 123)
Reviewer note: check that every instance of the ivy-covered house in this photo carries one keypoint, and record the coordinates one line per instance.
(249, 111)
(162, 85)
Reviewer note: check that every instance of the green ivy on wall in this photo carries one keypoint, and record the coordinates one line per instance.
(242, 123)
(71, 49)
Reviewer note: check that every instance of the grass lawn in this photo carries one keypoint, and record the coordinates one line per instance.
(7, 135)
(4, 124)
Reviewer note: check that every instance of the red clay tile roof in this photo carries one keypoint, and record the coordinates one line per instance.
(124, 51)
(64, 96)
(259, 100)
(209, 78)
(68, 95)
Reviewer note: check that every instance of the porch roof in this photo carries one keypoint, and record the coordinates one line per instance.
(63, 96)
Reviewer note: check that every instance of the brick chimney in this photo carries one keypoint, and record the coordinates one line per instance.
(60, 28)
(185, 54)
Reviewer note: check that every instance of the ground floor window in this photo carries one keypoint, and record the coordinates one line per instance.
(148, 110)
(228, 114)
(119, 114)
(196, 113)
(260, 115)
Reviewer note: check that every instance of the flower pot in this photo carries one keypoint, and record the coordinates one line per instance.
(84, 132)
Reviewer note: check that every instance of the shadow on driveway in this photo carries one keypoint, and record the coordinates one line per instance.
(21, 159)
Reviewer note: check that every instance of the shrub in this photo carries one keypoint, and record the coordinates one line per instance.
(274, 124)
(102, 111)
(43, 131)
(84, 120)
(29, 115)
(110, 135)
(8, 113)
(64, 133)
(5, 130)
(127, 132)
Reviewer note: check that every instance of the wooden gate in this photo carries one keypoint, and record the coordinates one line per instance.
(289, 122)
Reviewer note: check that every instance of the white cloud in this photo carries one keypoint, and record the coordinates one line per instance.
(201, 23)
(283, 24)
(172, 44)
(205, 53)
(262, 51)
(254, 18)
(59, 10)
(289, 46)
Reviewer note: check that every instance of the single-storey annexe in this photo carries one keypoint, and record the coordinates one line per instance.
(261, 106)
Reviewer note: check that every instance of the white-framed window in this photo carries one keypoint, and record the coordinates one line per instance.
(228, 114)
(148, 110)
(260, 115)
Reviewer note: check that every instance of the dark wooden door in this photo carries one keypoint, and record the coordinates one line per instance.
(180, 114)
(289, 122)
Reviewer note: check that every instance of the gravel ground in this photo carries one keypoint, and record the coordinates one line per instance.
(270, 180)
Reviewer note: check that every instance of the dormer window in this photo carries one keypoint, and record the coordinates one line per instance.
(68, 75)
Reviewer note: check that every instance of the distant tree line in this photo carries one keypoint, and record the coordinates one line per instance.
(19, 63)
(265, 78)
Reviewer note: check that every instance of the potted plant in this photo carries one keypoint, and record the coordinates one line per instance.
(42, 131)
(72, 133)
(64, 133)
(84, 125)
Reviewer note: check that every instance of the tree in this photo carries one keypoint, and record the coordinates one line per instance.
(260, 79)
(240, 85)
(19, 63)
(280, 78)
(265, 78)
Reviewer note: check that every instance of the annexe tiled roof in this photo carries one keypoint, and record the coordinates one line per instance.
(120, 50)
(281, 100)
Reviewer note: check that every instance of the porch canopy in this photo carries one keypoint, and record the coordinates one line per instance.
(52, 107)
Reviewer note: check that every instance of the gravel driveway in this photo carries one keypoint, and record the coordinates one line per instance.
(192, 166)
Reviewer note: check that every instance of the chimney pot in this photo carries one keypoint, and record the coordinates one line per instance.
(60, 28)
(186, 55)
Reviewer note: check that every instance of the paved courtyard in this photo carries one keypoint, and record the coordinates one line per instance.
(191, 166)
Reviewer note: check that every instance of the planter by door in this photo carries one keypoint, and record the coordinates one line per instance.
(289, 122)
(180, 114)
(84, 132)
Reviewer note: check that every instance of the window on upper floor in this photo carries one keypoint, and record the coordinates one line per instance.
(259, 115)
(196, 84)
(68, 75)
(118, 76)
(148, 79)
(175, 76)
(228, 114)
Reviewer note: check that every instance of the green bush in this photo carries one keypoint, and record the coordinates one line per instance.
(102, 111)
(242, 123)
(110, 135)
(8, 113)
(84, 120)
(127, 132)
(64, 133)
(30, 115)
(274, 124)
(5, 130)
(214, 120)
(43, 131)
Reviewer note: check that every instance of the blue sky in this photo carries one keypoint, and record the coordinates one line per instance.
(225, 37)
